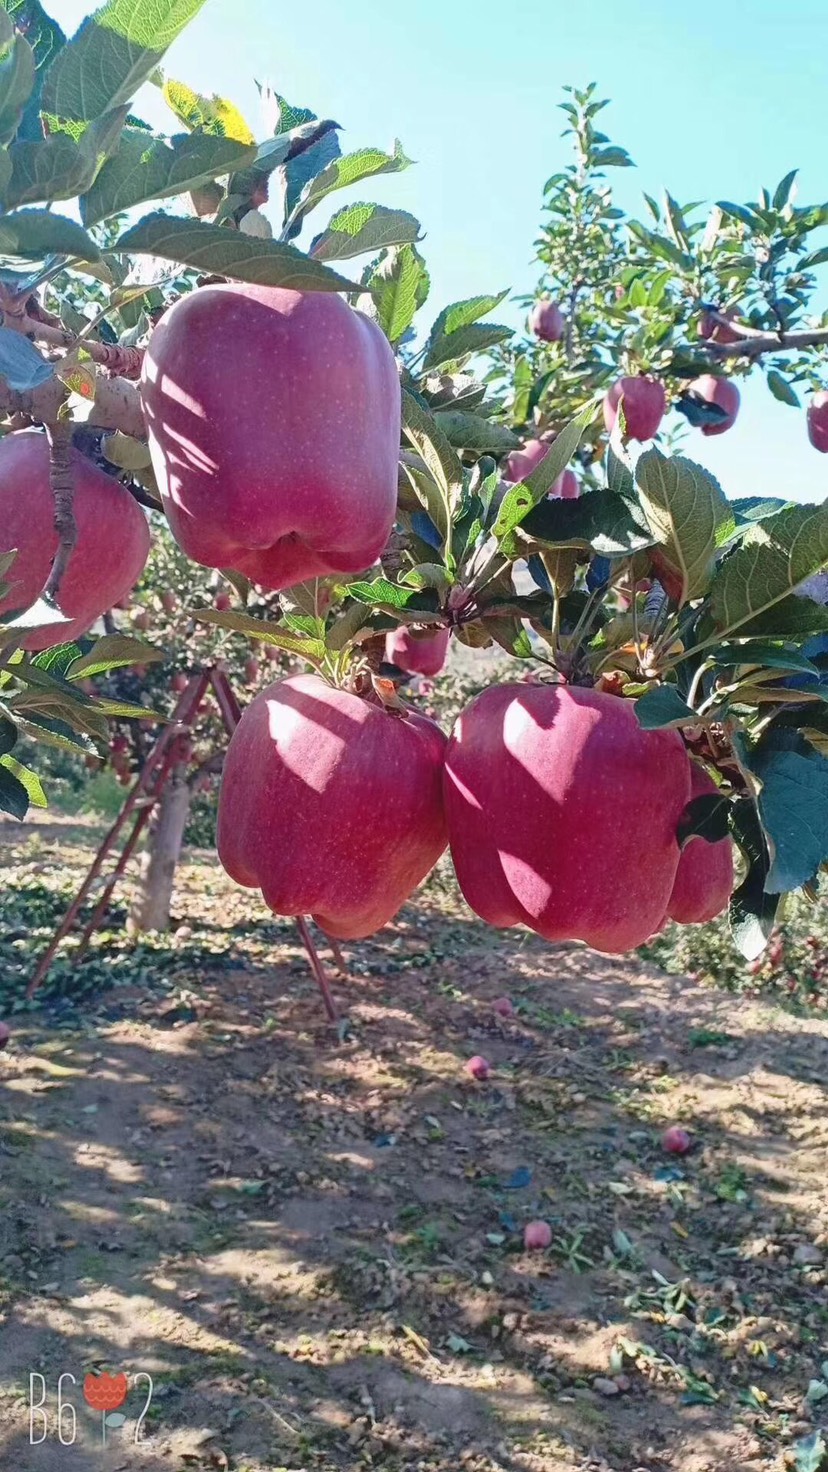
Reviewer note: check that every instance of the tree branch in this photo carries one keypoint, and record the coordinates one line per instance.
(754, 341)
(116, 405)
(62, 482)
(40, 326)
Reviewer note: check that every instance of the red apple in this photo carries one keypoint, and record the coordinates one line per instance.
(251, 670)
(169, 602)
(645, 403)
(537, 1236)
(717, 331)
(547, 321)
(330, 805)
(141, 619)
(274, 427)
(722, 392)
(108, 558)
(179, 682)
(562, 813)
(817, 417)
(418, 651)
(704, 878)
(503, 1007)
(676, 1141)
(222, 602)
(523, 462)
(479, 1067)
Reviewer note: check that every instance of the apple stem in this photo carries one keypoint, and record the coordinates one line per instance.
(317, 969)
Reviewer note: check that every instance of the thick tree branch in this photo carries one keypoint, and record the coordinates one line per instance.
(62, 482)
(26, 316)
(754, 342)
(116, 404)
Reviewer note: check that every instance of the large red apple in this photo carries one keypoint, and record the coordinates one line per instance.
(330, 805)
(274, 427)
(547, 321)
(719, 391)
(418, 651)
(704, 878)
(112, 546)
(562, 813)
(818, 422)
(644, 405)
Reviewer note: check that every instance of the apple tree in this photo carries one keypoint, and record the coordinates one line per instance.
(266, 384)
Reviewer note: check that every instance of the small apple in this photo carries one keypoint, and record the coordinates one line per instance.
(676, 1140)
(251, 670)
(717, 331)
(478, 1067)
(5, 1034)
(547, 321)
(222, 602)
(817, 418)
(179, 682)
(537, 1236)
(502, 1007)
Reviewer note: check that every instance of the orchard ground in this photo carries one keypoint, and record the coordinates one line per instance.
(342, 1283)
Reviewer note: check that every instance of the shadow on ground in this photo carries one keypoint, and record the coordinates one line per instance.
(314, 1246)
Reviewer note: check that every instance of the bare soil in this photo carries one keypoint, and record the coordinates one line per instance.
(314, 1245)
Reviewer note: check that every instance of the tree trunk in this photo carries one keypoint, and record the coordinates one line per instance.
(150, 909)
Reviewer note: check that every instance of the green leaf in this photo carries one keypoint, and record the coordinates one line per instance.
(473, 432)
(222, 252)
(761, 652)
(599, 520)
(58, 167)
(782, 192)
(706, 817)
(113, 652)
(399, 286)
(46, 39)
(422, 604)
(17, 78)
(8, 735)
(113, 53)
(793, 806)
(361, 227)
(444, 470)
(775, 556)
(793, 617)
(781, 389)
(14, 798)
(686, 510)
(510, 634)
(259, 628)
(810, 1452)
(462, 314)
(663, 706)
(41, 233)
(27, 779)
(58, 734)
(151, 168)
(464, 342)
(350, 168)
(21, 365)
(817, 258)
(752, 911)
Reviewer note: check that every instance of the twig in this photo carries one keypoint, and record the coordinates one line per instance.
(753, 343)
(116, 404)
(62, 482)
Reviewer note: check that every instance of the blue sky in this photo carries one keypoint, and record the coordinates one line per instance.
(712, 103)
